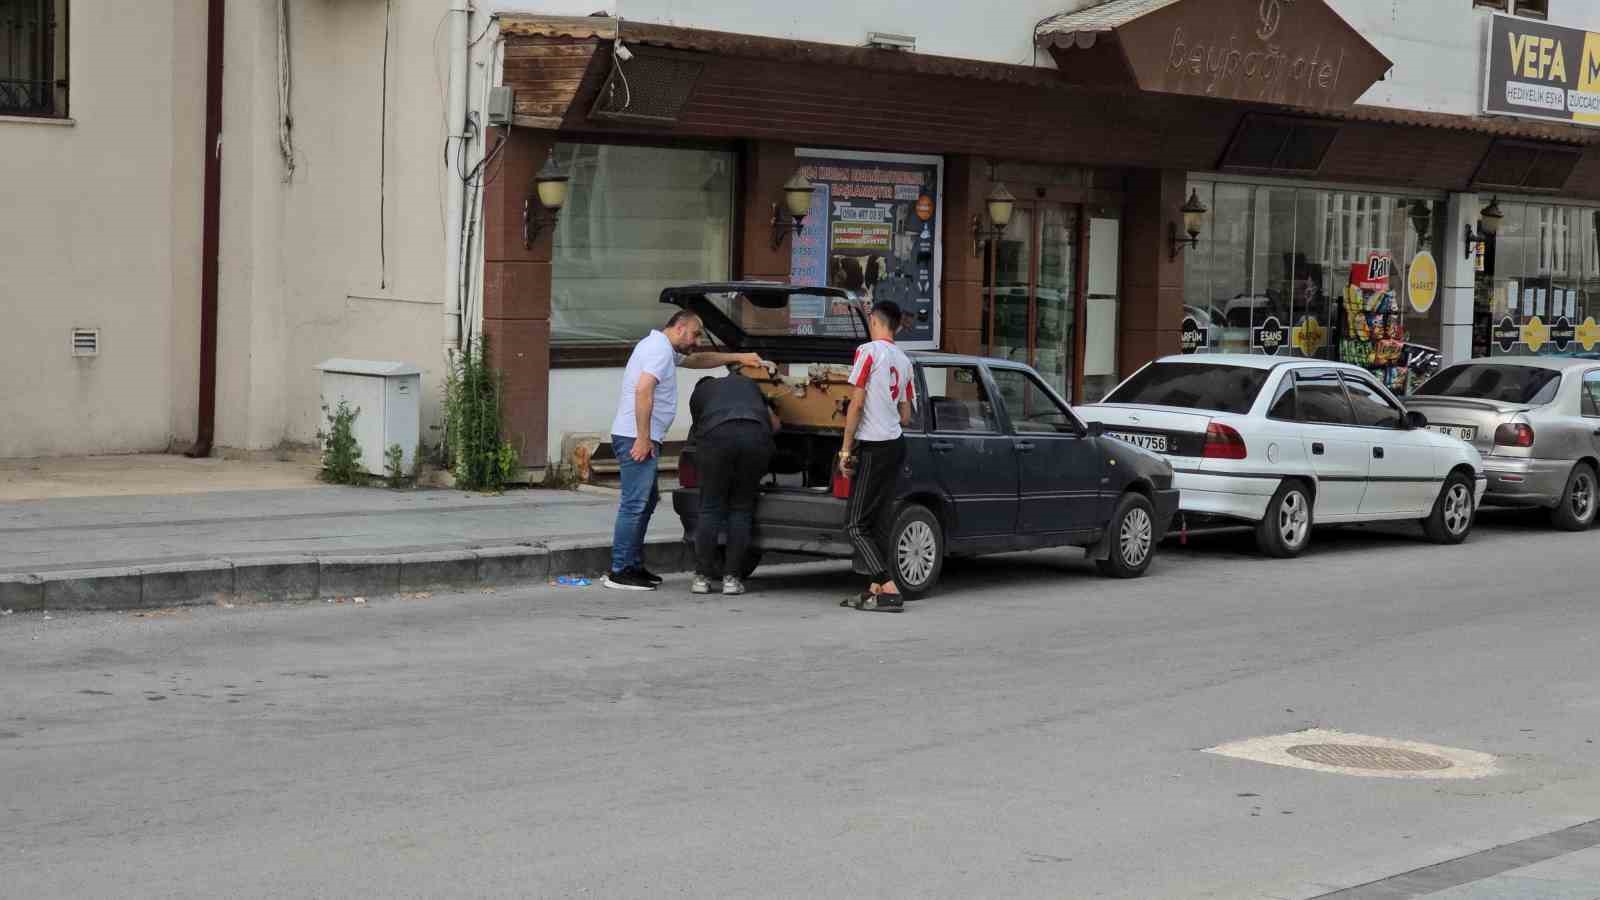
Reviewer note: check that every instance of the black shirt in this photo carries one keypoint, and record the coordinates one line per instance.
(718, 401)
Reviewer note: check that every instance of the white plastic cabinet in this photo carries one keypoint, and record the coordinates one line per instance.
(388, 395)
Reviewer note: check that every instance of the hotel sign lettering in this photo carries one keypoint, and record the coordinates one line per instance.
(1541, 71)
(1289, 52)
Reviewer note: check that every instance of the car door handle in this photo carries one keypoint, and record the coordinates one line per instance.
(1024, 446)
(1317, 449)
(941, 446)
(1377, 453)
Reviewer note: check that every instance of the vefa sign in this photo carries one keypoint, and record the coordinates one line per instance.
(1542, 71)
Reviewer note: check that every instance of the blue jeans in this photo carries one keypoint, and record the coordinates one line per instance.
(639, 497)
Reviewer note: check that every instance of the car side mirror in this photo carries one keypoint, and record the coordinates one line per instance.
(1094, 429)
(1415, 420)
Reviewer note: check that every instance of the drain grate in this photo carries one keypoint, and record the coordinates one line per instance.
(1364, 756)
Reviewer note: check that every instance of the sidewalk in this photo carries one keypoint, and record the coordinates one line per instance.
(297, 542)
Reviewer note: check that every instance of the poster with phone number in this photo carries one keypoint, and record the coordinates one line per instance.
(873, 230)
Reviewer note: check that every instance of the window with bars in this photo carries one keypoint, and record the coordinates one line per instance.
(33, 58)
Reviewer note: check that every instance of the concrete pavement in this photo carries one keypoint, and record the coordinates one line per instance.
(1030, 731)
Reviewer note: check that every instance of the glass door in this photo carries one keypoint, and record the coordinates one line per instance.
(1030, 293)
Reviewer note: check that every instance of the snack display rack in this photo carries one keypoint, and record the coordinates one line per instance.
(1374, 324)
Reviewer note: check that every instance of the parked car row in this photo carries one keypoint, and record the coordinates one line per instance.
(997, 461)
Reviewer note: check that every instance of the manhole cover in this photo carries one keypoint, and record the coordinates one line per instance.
(1360, 756)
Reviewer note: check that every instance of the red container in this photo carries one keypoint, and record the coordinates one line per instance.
(841, 484)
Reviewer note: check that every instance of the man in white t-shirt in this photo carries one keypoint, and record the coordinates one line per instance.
(874, 449)
(650, 396)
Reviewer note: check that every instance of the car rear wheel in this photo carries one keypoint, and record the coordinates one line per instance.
(917, 542)
(1576, 510)
(1132, 538)
(1286, 529)
(1451, 520)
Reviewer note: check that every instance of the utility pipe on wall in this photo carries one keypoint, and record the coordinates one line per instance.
(210, 234)
(455, 150)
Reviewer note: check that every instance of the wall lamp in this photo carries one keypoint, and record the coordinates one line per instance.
(1001, 205)
(797, 193)
(1489, 219)
(1193, 216)
(550, 189)
(1421, 219)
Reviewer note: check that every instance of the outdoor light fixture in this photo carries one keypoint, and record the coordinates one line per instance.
(1193, 215)
(550, 189)
(797, 193)
(1421, 219)
(1489, 219)
(1001, 205)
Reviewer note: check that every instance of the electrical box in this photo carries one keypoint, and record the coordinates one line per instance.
(501, 100)
(388, 396)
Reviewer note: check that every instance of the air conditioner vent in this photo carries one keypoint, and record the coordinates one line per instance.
(85, 342)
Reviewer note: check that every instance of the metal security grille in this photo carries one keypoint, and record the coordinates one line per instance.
(30, 43)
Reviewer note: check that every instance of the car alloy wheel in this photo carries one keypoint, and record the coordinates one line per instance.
(1582, 500)
(1135, 539)
(916, 551)
(1294, 519)
(1458, 509)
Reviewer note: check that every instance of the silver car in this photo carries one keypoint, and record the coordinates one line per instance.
(1536, 420)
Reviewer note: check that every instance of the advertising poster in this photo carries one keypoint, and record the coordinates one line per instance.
(873, 230)
(1541, 71)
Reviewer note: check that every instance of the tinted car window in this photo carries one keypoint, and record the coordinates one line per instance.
(1283, 405)
(1508, 384)
(958, 401)
(1321, 397)
(1371, 408)
(1591, 393)
(1230, 389)
(1030, 406)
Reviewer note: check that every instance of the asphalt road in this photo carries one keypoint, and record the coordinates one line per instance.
(1031, 731)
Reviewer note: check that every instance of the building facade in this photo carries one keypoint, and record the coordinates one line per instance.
(1343, 151)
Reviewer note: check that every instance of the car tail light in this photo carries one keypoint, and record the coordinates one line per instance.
(1513, 434)
(688, 472)
(1223, 442)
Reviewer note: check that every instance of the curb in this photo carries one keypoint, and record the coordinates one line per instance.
(280, 579)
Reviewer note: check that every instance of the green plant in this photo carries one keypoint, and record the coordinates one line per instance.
(341, 453)
(394, 460)
(479, 457)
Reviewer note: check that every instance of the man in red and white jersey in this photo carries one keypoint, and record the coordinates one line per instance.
(874, 449)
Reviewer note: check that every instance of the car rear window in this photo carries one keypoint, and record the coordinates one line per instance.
(1220, 388)
(1507, 384)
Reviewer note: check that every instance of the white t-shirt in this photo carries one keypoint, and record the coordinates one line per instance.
(654, 355)
(885, 371)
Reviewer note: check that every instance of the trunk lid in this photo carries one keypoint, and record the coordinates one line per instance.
(1450, 415)
(1167, 430)
(782, 322)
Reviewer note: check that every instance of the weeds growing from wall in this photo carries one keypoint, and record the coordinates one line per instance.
(479, 457)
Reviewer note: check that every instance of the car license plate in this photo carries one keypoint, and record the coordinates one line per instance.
(1155, 442)
(1462, 432)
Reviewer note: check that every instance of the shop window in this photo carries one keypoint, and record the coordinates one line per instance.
(1532, 9)
(33, 58)
(1490, 4)
(1543, 264)
(637, 219)
(1030, 292)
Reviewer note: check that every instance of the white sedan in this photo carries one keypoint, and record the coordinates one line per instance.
(1285, 443)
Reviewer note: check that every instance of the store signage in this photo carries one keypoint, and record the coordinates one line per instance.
(1309, 336)
(1422, 281)
(1269, 336)
(874, 230)
(1562, 333)
(1588, 334)
(1289, 52)
(1507, 334)
(1192, 337)
(1535, 334)
(1541, 71)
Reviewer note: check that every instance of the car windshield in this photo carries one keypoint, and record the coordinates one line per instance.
(1230, 389)
(1507, 384)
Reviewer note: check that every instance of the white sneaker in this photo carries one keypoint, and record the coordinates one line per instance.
(700, 585)
(732, 586)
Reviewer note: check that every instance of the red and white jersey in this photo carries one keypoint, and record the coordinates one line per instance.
(885, 371)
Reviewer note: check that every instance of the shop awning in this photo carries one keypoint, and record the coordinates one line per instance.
(1297, 53)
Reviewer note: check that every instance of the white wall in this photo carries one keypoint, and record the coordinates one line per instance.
(100, 217)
